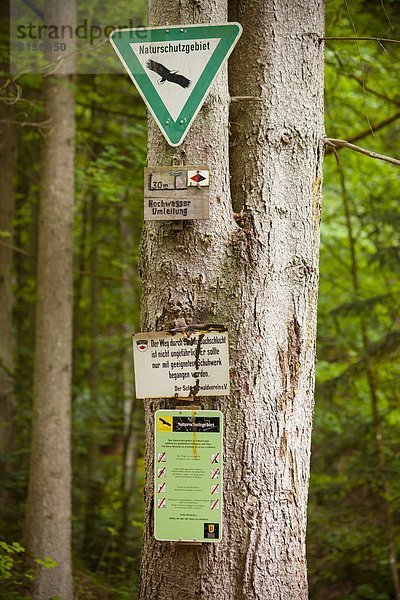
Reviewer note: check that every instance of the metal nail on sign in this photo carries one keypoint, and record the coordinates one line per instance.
(172, 365)
(176, 193)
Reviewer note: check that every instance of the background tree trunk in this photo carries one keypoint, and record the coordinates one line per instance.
(259, 275)
(7, 382)
(7, 210)
(48, 528)
(130, 433)
(93, 486)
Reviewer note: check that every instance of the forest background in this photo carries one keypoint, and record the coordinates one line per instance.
(354, 503)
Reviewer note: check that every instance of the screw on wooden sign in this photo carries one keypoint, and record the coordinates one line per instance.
(176, 193)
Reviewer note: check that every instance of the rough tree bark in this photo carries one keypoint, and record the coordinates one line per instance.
(253, 266)
(48, 526)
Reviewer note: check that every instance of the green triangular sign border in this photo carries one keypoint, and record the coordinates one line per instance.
(175, 131)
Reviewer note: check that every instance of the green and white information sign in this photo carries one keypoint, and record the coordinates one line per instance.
(174, 67)
(188, 475)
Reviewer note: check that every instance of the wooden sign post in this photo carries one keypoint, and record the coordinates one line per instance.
(176, 193)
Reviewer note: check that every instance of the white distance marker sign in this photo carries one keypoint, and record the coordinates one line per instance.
(179, 365)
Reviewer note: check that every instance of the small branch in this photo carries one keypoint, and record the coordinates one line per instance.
(376, 127)
(367, 132)
(372, 91)
(241, 98)
(15, 249)
(336, 144)
(199, 327)
(42, 124)
(358, 39)
(34, 8)
(6, 370)
(9, 100)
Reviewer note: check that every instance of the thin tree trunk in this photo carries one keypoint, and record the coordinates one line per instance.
(259, 275)
(81, 259)
(25, 271)
(48, 526)
(385, 488)
(129, 459)
(93, 490)
(7, 375)
(130, 438)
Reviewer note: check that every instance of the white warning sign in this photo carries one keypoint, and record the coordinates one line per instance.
(179, 365)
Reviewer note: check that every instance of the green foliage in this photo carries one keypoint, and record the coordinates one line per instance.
(359, 304)
(16, 575)
(8, 555)
(354, 478)
(46, 562)
(110, 154)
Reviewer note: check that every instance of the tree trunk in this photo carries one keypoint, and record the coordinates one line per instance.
(130, 437)
(93, 485)
(255, 270)
(77, 312)
(7, 391)
(48, 527)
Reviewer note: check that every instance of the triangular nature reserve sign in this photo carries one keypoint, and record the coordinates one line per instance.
(173, 69)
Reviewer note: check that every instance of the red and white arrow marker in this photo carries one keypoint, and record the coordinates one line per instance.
(214, 504)
(199, 178)
(162, 503)
(214, 473)
(215, 489)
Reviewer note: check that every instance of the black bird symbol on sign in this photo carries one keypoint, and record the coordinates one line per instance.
(164, 422)
(167, 75)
